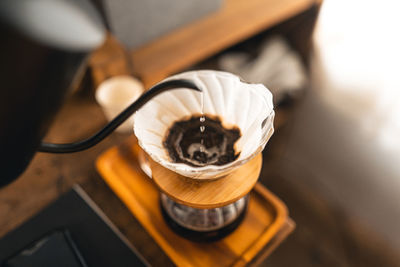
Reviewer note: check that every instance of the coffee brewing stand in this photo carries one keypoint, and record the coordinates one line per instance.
(205, 210)
(255, 231)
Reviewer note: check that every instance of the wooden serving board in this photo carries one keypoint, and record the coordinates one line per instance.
(266, 223)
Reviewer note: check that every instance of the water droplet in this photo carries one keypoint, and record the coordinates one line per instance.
(202, 120)
(202, 145)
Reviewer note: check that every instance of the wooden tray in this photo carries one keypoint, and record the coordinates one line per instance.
(266, 223)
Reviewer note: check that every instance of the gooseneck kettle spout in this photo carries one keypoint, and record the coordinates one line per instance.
(118, 120)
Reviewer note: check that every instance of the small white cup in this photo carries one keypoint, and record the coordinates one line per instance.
(115, 94)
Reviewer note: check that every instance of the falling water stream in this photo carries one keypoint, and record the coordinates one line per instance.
(202, 126)
(202, 140)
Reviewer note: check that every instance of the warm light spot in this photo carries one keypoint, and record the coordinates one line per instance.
(358, 48)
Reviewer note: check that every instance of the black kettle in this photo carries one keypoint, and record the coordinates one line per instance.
(44, 47)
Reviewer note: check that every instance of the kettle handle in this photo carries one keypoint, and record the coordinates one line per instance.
(119, 119)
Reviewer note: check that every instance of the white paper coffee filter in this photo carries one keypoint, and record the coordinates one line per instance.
(247, 106)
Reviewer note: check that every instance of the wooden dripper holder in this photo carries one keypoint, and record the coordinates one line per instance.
(207, 194)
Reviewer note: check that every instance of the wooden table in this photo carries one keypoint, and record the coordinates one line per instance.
(48, 176)
(319, 238)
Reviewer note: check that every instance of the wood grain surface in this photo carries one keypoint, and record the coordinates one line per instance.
(208, 194)
(321, 238)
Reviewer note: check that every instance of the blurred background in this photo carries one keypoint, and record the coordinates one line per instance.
(343, 142)
(333, 67)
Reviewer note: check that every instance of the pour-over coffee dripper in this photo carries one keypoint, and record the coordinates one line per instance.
(207, 203)
(236, 103)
